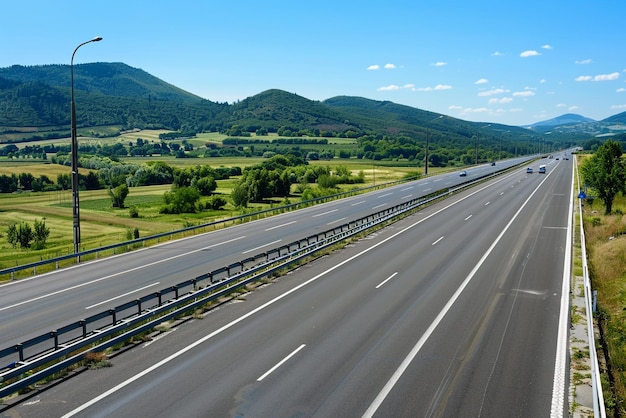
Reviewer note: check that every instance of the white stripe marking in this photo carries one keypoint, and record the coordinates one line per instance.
(280, 363)
(121, 296)
(261, 246)
(280, 226)
(387, 279)
(436, 242)
(324, 213)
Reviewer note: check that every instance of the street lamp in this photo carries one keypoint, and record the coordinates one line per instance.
(426, 150)
(477, 139)
(75, 180)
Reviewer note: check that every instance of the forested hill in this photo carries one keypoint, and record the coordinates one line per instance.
(110, 79)
(117, 95)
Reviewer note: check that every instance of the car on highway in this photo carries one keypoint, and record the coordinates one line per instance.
(463, 174)
(529, 170)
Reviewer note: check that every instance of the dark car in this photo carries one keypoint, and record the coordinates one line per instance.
(463, 174)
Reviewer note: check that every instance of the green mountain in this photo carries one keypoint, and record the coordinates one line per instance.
(115, 94)
(109, 79)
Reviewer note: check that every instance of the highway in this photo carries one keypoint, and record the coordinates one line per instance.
(454, 311)
(29, 308)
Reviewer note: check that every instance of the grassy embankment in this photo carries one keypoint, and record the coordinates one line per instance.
(606, 248)
(102, 225)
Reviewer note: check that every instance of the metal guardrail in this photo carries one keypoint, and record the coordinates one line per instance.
(599, 409)
(49, 352)
(280, 209)
(110, 327)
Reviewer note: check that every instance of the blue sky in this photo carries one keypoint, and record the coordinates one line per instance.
(512, 62)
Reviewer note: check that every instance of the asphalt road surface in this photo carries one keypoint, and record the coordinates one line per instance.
(29, 308)
(454, 311)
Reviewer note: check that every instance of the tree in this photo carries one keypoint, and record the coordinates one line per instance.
(21, 235)
(118, 195)
(205, 185)
(605, 171)
(41, 233)
(181, 200)
(240, 196)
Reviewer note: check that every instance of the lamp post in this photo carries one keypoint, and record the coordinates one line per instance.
(75, 180)
(426, 150)
(477, 139)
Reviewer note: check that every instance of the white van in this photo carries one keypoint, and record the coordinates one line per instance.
(542, 169)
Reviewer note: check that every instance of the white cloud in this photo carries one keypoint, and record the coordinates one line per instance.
(409, 86)
(621, 90)
(525, 93)
(546, 46)
(438, 87)
(530, 53)
(619, 107)
(439, 64)
(497, 54)
(391, 87)
(373, 67)
(542, 81)
(561, 105)
(492, 92)
(453, 107)
(503, 100)
(390, 66)
(469, 110)
(573, 108)
(599, 77)
(587, 61)
(606, 77)
(481, 81)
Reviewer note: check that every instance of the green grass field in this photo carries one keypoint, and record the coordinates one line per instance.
(103, 225)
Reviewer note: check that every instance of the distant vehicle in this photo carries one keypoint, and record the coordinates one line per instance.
(493, 163)
(529, 170)
(463, 174)
(542, 169)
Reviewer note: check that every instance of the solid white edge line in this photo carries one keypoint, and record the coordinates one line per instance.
(380, 398)
(280, 363)
(260, 308)
(560, 363)
(119, 273)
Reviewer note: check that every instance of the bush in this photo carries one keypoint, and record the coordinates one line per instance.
(133, 212)
(216, 203)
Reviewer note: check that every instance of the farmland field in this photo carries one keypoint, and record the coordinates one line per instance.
(103, 225)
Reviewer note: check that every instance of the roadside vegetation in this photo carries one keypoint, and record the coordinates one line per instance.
(605, 232)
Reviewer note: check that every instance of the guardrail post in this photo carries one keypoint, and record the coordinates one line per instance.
(56, 339)
(20, 351)
(83, 324)
(114, 315)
